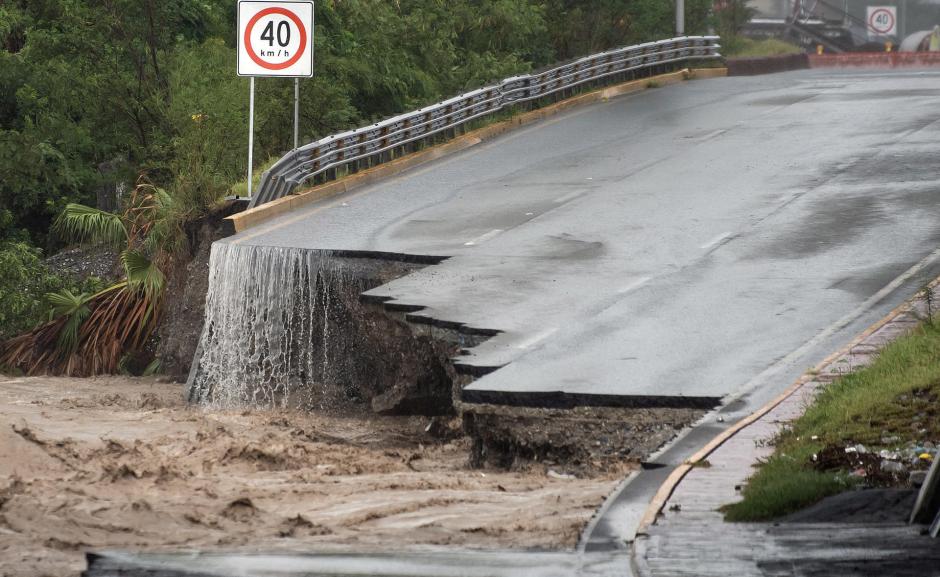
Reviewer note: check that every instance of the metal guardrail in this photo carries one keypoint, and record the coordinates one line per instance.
(394, 136)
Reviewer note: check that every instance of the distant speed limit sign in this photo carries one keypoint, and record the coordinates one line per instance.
(275, 38)
(882, 21)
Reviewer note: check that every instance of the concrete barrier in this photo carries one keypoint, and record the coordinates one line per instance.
(767, 65)
(875, 60)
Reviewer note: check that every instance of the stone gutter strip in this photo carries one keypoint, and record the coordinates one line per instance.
(785, 62)
(255, 216)
(876, 60)
(856, 354)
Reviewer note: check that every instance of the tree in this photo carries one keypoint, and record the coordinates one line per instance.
(93, 334)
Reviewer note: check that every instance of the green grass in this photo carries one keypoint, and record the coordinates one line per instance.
(895, 396)
(740, 47)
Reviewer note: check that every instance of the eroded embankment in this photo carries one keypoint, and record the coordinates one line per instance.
(291, 328)
(286, 328)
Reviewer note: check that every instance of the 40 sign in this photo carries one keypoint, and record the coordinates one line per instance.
(275, 38)
(882, 22)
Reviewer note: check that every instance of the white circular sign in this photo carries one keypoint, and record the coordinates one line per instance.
(275, 38)
(882, 21)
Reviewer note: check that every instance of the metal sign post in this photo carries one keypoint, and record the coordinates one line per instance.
(251, 132)
(680, 17)
(275, 39)
(296, 113)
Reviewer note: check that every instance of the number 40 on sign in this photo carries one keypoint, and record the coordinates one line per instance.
(275, 38)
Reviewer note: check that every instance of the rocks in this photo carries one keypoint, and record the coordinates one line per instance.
(81, 263)
(185, 301)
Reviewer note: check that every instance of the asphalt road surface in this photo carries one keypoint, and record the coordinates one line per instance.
(682, 245)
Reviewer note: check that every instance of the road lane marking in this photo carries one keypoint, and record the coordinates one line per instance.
(711, 135)
(635, 284)
(537, 338)
(718, 240)
(838, 325)
(569, 196)
(484, 237)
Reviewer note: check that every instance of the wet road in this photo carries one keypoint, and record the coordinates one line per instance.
(684, 245)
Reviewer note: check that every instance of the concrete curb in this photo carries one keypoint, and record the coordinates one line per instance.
(767, 65)
(668, 487)
(255, 216)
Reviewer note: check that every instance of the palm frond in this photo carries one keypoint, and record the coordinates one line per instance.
(73, 308)
(65, 302)
(152, 368)
(142, 274)
(68, 337)
(84, 224)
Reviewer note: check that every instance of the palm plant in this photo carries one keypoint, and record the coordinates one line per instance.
(91, 334)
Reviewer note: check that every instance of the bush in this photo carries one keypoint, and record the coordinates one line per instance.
(23, 286)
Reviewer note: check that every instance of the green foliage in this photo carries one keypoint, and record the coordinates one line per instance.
(23, 285)
(579, 27)
(149, 85)
(148, 230)
(87, 225)
(142, 273)
(75, 308)
(891, 398)
(784, 485)
(96, 92)
(741, 47)
(83, 82)
(732, 16)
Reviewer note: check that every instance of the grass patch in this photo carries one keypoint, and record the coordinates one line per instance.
(741, 47)
(895, 398)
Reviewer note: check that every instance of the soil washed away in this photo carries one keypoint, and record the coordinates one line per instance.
(285, 327)
(123, 463)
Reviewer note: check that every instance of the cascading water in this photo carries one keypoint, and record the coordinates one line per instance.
(267, 325)
(284, 327)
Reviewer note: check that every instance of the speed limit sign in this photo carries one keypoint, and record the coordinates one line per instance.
(275, 38)
(882, 21)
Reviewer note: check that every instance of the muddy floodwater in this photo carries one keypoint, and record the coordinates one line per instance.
(124, 463)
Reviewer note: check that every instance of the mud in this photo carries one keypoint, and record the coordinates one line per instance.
(187, 284)
(581, 440)
(124, 463)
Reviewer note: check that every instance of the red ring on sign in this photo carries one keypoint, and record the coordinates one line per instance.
(282, 12)
(871, 21)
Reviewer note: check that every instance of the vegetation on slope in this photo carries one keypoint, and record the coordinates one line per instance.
(741, 47)
(889, 406)
(94, 93)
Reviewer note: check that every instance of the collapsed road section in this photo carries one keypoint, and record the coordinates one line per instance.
(285, 328)
(292, 328)
(639, 254)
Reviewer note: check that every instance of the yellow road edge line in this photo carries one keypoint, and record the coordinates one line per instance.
(267, 211)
